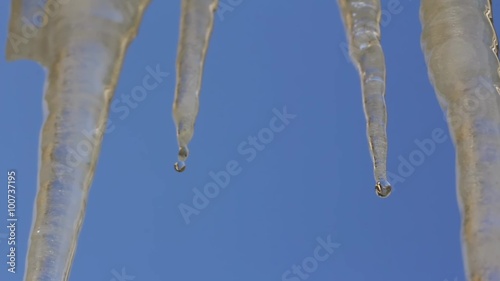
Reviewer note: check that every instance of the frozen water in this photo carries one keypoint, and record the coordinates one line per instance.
(82, 51)
(362, 23)
(461, 51)
(460, 47)
(197, 20)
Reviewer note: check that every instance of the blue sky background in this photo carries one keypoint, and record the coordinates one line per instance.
(313, 180)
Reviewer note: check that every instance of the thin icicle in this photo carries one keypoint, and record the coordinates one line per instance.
(82, 46)
(362, 23)
(196, 27)
(460, 48)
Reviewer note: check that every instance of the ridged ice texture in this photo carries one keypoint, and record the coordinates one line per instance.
(362, 24)
(81, 44)
(197, 21)
(460, 48)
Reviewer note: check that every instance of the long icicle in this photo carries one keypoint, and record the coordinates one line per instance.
(362, 24)
(197, 21)
(460, 47)
(82, 45)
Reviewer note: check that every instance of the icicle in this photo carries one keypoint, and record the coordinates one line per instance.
(196, 27)
(82, 46)
(460, 48)
(362, 23)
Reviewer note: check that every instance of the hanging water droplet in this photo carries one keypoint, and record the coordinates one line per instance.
(383, 188)
(180, 166)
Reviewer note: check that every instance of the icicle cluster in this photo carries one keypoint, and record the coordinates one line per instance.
(197, 20)
(460, 47)
(81, 44)
(362, 23)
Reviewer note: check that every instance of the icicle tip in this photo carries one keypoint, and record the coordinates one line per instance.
(180, 165)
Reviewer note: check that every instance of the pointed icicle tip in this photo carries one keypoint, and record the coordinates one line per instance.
(180, 165)
(362, 20)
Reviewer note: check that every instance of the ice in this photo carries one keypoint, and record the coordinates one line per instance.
(460, 49)
(81, 44)
(196, 27)
(362, 24)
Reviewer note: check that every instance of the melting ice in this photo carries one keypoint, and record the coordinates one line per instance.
(197, 20)
(82, 51)
(362, 23)
(460, 47)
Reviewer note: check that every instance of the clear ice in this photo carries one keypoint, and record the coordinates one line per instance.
(461, 51)
(197, 21)
(362, 24)
(81, 44)
(460, 47)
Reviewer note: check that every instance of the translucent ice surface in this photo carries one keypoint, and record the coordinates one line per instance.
(460, 47)
(197, 21)
(362, 24)
(81, 44)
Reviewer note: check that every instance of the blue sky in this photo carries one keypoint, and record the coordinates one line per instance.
(310, 185)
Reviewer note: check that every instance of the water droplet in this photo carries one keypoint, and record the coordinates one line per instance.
(383, 189)
(180, 166)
